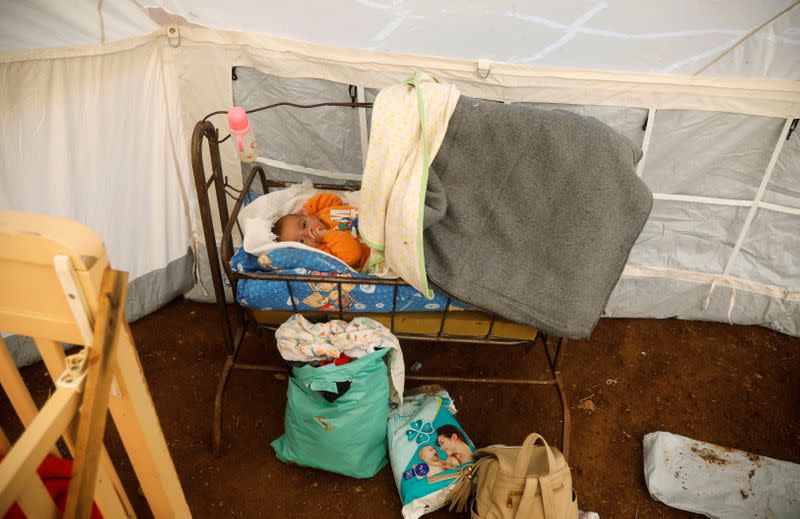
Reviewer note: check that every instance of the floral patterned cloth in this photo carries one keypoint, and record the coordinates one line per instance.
(301, 340)
(409, 122)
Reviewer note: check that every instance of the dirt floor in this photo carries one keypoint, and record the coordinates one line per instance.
(736, 386)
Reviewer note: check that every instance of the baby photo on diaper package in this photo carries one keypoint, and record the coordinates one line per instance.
(427, 449)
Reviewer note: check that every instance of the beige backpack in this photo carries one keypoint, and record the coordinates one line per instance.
(528, 482)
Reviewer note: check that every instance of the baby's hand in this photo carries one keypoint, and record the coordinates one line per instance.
(320, 235)
(303, 211)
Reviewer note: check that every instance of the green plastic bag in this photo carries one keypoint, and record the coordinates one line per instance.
(348, 435)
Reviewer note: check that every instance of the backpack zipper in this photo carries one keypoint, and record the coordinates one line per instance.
(511, 494)
(518, 493)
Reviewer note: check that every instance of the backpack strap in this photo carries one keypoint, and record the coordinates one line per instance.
(548, 498)
(526, 505)
(524, 458)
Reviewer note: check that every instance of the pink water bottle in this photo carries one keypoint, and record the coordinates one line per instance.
(242, 133)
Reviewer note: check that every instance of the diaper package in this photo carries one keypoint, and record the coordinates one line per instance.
(426, 444)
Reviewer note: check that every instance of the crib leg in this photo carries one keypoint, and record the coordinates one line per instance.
(553, 352)
(554, 359)
(528, 346)
(566, 423)
(230, 360)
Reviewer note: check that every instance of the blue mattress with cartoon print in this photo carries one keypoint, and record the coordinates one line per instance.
(322, 297)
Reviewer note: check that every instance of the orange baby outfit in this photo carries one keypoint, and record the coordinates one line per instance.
(338, 216)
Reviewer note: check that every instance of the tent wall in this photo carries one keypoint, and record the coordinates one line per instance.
(128, 107)
(95, 137)
(331, 142)
(712, 144)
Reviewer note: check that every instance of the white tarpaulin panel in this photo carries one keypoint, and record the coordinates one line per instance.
(327, 139)
(688, 236)
(771, 251)
(630, 35)
(90, 140)
(666, 297)
(40, 24)
(709, 154)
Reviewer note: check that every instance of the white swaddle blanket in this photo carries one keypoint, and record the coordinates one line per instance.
(261, 214)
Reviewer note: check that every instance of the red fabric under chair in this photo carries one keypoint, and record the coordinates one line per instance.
(55, 473)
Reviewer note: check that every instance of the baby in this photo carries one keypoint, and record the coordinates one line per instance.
(327, 224)
(429, 455)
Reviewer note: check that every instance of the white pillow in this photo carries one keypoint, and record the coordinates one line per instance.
(260, 215)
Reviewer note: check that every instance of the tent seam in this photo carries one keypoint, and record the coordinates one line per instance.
(693, 276)
(176, 164)
(102, 22)
(57, 53)
(746, 37)
(729, 202)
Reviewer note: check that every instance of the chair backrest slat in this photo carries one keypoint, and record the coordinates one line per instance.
(32, 300)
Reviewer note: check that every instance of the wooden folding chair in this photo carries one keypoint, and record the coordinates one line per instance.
(56, 286)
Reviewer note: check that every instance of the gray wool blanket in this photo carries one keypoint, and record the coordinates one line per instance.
(531, 214)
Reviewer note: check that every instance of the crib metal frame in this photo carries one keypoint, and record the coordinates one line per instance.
(234, 334)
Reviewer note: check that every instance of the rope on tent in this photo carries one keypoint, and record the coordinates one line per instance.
(722, 279)
(747, 36)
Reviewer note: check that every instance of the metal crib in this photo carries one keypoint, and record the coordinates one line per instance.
(245, 318)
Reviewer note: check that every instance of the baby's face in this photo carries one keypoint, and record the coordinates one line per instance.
(306, 229)
(428, 454)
